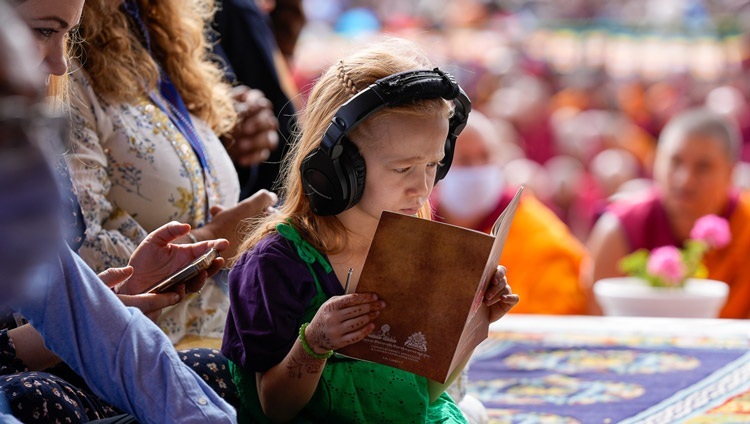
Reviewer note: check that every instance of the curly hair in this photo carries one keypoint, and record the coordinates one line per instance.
(121, 68)
(337, 85)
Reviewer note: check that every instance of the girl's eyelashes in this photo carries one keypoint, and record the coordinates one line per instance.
(407, 168)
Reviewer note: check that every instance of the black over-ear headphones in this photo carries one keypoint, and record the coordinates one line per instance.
(333, 175)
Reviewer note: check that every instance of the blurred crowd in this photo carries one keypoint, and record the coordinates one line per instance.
(157, 131)
(578, 94)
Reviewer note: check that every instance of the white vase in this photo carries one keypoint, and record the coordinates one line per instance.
(630, 296)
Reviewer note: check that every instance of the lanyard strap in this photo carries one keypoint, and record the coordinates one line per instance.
(175, 107)
(180, 117)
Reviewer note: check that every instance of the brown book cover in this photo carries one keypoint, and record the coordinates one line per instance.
(433, 277)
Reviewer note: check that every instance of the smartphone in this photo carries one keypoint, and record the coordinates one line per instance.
(182, 276)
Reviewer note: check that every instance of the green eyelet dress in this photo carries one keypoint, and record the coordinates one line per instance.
(350, 391)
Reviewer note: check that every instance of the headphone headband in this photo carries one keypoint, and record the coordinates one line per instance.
(333, 175)
(391, 91)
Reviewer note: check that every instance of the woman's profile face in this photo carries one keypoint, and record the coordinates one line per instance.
(29, 216)
(694, 172)
(51, 22)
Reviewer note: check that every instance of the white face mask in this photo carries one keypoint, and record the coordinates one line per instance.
(471, 192)
(29, 205)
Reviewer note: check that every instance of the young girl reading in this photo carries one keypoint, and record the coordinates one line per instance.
(289, 312)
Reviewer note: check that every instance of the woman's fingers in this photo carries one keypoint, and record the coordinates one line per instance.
(215, 266)
(197, 249)
(152, 302)
(196, 283)
(168, 233)
(114, 276)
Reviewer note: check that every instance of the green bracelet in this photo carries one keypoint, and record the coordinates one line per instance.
(309, 350)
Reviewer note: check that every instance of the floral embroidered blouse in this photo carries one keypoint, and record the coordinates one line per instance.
(134, 171)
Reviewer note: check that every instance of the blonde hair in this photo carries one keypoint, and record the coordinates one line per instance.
(121, 68)
(58, 91)
(335, 86)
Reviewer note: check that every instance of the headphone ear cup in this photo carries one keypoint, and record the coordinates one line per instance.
(334, 185)
(445, 165)
(354, 167)
(456, 124)
(321, 184)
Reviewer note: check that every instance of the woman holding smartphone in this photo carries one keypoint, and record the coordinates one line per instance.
(120, 354)
(22, 350)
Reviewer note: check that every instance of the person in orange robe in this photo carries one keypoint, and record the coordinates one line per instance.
(695, 157)
(730, 263)
(542, 257)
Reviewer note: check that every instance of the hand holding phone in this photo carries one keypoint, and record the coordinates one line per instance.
(185, 274)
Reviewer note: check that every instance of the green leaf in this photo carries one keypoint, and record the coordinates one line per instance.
(635, 263)
(692, 255)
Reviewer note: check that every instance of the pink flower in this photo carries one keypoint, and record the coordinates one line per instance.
(712, 230)
(666, 263)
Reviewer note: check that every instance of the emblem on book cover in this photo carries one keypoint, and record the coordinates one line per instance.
(417, 341)
(384, 334)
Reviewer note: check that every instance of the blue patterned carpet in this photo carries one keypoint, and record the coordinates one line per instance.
(574, 379)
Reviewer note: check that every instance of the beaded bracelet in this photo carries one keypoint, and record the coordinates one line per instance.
(309, 350)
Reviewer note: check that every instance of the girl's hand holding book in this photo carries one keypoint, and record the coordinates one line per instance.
(499, 296)
(343, 320)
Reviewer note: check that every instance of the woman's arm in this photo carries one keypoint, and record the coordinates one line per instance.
(154, 259)
(30, 348)
(29, 344)
(123, 356)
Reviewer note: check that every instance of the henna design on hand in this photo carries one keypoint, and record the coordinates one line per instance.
(304, 363)
(320, 338)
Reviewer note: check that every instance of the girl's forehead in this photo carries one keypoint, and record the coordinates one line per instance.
(407, 137)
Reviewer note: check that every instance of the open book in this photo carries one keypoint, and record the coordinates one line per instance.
(433, 277)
